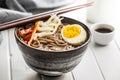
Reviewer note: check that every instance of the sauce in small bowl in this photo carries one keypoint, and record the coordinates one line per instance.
(103, 30)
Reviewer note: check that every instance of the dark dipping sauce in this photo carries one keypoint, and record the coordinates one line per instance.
(103, 30)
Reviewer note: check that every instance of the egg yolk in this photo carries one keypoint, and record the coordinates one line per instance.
(71, 31)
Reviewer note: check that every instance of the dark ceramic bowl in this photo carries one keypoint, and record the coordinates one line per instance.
(53, 63)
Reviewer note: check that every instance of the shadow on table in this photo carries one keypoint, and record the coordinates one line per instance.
(61, 77)
(43, 77)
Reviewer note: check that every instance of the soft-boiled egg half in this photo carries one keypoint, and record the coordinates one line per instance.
(74, 34)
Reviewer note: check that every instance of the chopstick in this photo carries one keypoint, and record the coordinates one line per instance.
(45, 15)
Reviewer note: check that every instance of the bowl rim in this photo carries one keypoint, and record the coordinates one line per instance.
(85, 43)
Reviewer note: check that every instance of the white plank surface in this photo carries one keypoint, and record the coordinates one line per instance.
(88, 69)
(4, 58)
(108, 58)
(117, 36)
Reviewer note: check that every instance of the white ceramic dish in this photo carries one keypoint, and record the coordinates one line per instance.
(103, 38)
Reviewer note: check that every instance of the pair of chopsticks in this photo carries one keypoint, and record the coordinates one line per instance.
(45, 15)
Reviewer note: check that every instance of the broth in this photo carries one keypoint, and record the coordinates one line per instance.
(103, 30)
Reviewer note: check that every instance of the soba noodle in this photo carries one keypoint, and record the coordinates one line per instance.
(52, 43)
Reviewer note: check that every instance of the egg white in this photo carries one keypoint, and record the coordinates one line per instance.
(76, 40)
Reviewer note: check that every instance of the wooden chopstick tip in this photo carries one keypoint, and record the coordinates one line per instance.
(91, 3)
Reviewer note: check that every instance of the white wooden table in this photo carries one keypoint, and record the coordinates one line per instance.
(98, 63)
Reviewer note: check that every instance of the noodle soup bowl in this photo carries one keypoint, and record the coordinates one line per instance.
(53, 63)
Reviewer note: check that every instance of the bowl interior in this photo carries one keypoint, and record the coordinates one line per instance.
(65, 20)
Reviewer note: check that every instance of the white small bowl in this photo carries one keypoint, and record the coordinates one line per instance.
(103, 33)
